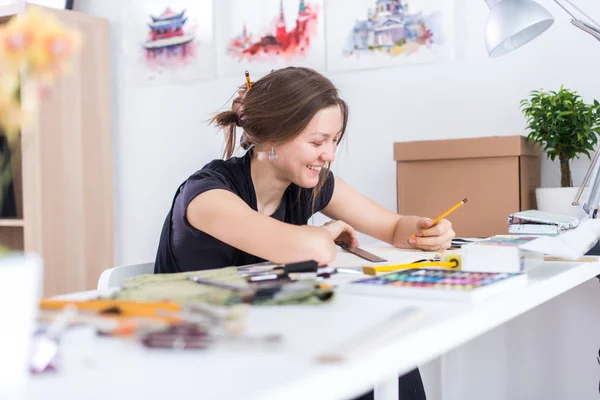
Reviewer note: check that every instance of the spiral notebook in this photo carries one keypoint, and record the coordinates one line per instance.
(438, 284)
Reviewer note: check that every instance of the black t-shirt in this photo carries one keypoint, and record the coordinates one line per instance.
(185, 248)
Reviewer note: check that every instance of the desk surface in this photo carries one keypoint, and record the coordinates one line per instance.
(101, 368)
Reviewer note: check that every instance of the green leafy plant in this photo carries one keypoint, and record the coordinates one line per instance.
(564, 125)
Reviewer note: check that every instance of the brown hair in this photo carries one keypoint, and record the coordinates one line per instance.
(277, 108)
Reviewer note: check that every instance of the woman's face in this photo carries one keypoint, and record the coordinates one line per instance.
(301, 159)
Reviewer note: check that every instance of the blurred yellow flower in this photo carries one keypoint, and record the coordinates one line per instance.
(35, 49)
(10, 106)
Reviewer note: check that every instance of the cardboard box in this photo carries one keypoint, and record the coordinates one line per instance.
(498, 175)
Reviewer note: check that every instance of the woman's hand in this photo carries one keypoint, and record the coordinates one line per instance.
(341, 232)
(433, 238)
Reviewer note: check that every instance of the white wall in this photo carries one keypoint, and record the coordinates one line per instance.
(160, 138)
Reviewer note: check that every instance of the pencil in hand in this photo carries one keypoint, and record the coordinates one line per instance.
(444, 214)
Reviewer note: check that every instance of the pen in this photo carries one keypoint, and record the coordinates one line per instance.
(248, 82)
(218, 284)
(445, 214)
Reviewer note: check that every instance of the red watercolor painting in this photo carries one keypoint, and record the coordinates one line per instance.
(287, 36)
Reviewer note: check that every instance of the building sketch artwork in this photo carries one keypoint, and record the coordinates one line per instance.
(391, 32)
(169, 42)
(167, 38)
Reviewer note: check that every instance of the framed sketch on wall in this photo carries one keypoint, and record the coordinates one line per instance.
(261, 35)
(168, 42)
(363, 34)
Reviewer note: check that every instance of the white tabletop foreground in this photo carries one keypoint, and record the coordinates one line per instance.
(375, 338)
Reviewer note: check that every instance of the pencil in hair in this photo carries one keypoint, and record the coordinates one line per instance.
(248, 81)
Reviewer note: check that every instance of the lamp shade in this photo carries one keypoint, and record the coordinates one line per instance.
(512, 23)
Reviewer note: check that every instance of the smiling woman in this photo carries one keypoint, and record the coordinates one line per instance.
(292, 120)
(244, 210)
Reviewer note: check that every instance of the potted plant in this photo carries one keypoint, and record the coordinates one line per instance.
(565, 127)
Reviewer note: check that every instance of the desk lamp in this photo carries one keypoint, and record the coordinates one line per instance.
(513, 23)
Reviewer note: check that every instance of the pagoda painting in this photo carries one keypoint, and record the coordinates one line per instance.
(391, 29)
(167, 38)
(169, 42)
(282, 32)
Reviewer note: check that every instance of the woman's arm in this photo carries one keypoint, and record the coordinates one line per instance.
(228, 218)
(368, 217)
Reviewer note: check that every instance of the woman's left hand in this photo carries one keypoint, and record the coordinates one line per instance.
(433, 238)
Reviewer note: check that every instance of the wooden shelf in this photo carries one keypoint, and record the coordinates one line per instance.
(11, 222)
(72, 123)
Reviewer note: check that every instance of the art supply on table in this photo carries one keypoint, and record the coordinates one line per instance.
(116, 308)
(221, 285)
(187, 336)
(393, 255)
(260, 266)
(45, 343)
(180, 337)
(350, 270)
(178, 288)
(357, 251)
(459, 242)
(263, 292)
(437, 284)
(270, 272)
(451, 261)
(444, 214)
(501, 253)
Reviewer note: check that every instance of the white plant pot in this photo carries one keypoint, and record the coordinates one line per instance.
(558, 200)
(20, 291)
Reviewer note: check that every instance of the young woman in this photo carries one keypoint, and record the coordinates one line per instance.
(243, 210)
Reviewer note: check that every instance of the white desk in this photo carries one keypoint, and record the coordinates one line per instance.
(102, 368)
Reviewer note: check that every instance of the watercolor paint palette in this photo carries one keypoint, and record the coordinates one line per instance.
(438, 284)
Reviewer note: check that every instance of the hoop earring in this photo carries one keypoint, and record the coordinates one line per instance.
(273, 156)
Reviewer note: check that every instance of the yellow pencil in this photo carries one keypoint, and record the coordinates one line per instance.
(445, 214)
(248, 81)
(391, 268)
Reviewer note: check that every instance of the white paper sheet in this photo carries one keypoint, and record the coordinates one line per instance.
(571, 244)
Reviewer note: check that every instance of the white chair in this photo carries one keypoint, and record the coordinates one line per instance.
(112, 277)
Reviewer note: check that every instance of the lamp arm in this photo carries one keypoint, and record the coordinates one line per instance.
(590, 26)
(591, 170)
(586, 28)
(560, 3)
